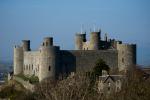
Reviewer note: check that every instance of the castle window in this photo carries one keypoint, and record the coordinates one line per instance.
(24, 67)
(108, 88)
(32, 66)
(46, 44)
(43, 44)
(117, 89)
(122, 60)
(49, 68)
(29, 67)
(38, 67)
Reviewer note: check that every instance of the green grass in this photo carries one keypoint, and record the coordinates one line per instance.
(25, 78)
(32, 79)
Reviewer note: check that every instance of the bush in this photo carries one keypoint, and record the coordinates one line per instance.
(25, 78)
(33, 79)
(99, 66)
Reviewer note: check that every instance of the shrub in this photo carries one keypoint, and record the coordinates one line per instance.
(33, 79)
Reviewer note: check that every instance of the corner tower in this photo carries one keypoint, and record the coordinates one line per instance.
(95, 40)
(79, 39)
(19, 56)
(26, 45)
(126, 56)
(49, 59)
(18, 60)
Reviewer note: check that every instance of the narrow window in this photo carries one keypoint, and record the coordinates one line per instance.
(117, 89)
(29, 67)
(49, 68)
(108, 88)
(24, 67)
(32, 66)
(122, 60)
(38, 67)
(46, 44)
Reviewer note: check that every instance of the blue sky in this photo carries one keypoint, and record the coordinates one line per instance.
(126, 20)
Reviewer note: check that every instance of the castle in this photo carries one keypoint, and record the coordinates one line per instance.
(50, 62)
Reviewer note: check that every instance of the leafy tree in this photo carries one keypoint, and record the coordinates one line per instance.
(99, 66)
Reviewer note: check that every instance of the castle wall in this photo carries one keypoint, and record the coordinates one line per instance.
(18, 60)
(31, 63)
(126, 56)
(68, 62)
(86, 59)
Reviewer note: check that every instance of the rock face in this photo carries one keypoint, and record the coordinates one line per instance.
(51, 62)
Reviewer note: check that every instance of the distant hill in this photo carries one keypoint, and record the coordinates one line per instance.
(6, 66)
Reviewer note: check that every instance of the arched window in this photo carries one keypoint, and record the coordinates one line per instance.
(49, 68)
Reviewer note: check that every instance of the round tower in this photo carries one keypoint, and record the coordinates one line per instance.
(95, 40)
(79, 39)
(49, 61)
(48, 41)
(126, 56)
(18, 60)
(26, 45)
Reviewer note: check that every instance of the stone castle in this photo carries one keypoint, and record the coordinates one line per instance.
(50, 62)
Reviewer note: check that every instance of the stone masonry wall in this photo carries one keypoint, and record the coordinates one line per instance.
(31, 63)
(86, 59)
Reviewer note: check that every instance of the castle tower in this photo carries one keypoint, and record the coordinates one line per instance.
(126, 56)
(49, 59)
(48, 41)
(18, 60)
(26, 45)
(95, 40)
(79, 39)
(105, 37)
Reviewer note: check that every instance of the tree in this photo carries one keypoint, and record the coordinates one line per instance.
(99, 66)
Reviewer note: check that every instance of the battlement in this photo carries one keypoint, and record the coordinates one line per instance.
(17, 46)
(48, 41)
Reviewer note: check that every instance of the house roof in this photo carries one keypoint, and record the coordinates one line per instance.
(114, 78)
